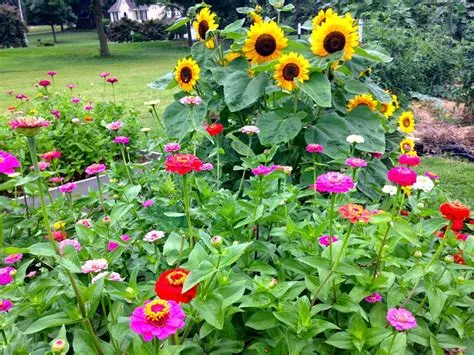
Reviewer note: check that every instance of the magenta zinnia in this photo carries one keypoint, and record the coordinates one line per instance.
(158, 318)
(334, 182)
(95, 169)
(356, 163)
(28, 122)
(263, 170)
(8, 163)
(121, 140)
(314, 148)
(67, 188)
(402, 176)
(409, 160)
(401, 319)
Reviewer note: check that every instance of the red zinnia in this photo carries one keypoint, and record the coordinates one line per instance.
(457, 225)
(355, 213)
(169, 286)
(58, 235)
(215, 129)
(458, 259)
(44, 83)
(454, 211)
(182, 163)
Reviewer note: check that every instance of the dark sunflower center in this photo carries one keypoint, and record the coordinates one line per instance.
(334, 42)
(186, 75)
(384, 108)
(203, 28)
(406, 122)
(290, 71)
(265, 45)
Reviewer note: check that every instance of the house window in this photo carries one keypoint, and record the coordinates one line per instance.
(114, 16)
(143, 15)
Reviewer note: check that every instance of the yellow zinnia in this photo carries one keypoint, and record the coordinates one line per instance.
(205, 21)
(387, 109)
(406, 122)
(291, 67)
(359, 100)
(187, 73)
(334, 35)
(322, 16)
(264, 42)
(407, 145)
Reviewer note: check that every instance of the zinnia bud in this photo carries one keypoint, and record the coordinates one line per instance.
(418, 254)
(448, 259)
(58, 346)
(216, 241)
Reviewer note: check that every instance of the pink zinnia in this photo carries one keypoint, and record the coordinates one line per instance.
(95, 169)
(56, 114)
(373, 298)
(6, 275)
(28, 122)
(67, 188)
(73, 242)
(334, 182)
(158, 318)
(52, 73)
(172, 147)
(8, 163)
(94, 266)
(206, 166)
(44, 83)
(250, 130)
(356, 163)
(71, 86)
(191, 100)
(401, 319)
(326, 240)
(104, 74)
(13, 258)
(5, 305)
(314, 148)
(54, 154)
(112, 80)
(431, 175)
(75, 100)
(114, 126)
(125, 238)
(376, 155)
(56, 180)
(88, 107)
(409, 160)
(42, 165)
(121, 140)
(153, 236)
(263, 170)
(148, 203)
(85, 222)
(112, 245)
(111, 276)
(401, 176)
(22, 97)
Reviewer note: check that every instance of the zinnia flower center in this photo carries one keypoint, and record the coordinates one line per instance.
(2, 160)
(157, 312)
(186, 75)
(203, 28)
(176, 278)
(290, 71)
(265, 45)
(334, 42)
(182, 159)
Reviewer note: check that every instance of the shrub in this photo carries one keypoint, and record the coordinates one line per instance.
(151, 30)
(12, 29)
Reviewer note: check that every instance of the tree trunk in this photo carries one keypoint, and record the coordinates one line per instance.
(96, 9)
(54, 33)
(62, 27)
(190, 38)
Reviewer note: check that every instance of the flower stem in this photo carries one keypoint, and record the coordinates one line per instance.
(330, 212)
(71, 205)
(1, 232)
(379, 254)
(391, 343)
(295, 104)
(187, 209)
(100, 194)
(122, 149)
(5, 339)
(243, 174)
(158, 119)
(218, 175)
(156, 346)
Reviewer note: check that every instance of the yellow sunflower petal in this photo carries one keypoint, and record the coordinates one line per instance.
(264, 42)
(230, 56)
(335, 34)
(359, 100)
(187, 73)
(322, 16)
(255, 18)
(291, 67)
(406, 122)
(205, 21)
(387, 109)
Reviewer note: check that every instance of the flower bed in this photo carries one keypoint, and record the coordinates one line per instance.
(284, 217)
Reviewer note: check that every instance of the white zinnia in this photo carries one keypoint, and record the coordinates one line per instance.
(153, 236)
(423, 183)
(250, 130)
(390, 190)
(354, 139)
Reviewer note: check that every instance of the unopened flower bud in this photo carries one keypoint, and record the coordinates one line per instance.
(420, 205)
(116, 197)
(418, 254)
(460, 278)
(448, 259)
(113, 181)
(216, 241)
(273, 283)
(58, 346)
(106, 219)
(235, 242)
(131, 294)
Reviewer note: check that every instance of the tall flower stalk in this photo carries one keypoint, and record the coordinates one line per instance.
(187, 210)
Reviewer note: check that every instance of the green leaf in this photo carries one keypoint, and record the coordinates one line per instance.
(42, 249)
(165, 82)
(180, 119)
(436, 349)
(367, 124)
(355, 86)
(318, 88)
(211, 310)
(377, 335)
(174, 214)
(262, 320)
(316, 262)
(234, 26)
(448, 341)
(232, 253)
(172, 247)
(395, 346)
(373, 55)
(405, 230)
(279, 126)
(244, 10)
(203, 272)
(436, 300)
(179, 23)
(241, 91)
(341, 340)
(378, 92)
(53, 320)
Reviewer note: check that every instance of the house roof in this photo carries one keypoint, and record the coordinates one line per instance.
(116, 7)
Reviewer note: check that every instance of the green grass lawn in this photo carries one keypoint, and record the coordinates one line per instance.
(456, 176)
(76, 60)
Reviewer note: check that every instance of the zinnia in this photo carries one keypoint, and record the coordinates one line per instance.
(390, 190)
(153, 236)
(409, 160)
(42, 165)
(56, 180)
(148, 203)
(356, 163)
(373, 298)
(401, 319)
(52, 73)
(158, 318)
(112, 246)
(431, 175)
(250, 130)
(13, 258)
(114, 126)
(6, 275)
(169, 286)
(314, 148)
(72, 242)
(28, 122)
(111, 276)
(355, 139)
(354, 213)
(191, 100)
(94, 266)
(5, 305)
(8, 163)
(334, 182)
(402, 176)
(215, 129)
(85, 222)
(104, 74)
(206, 166)
(172, 147)
(112, 80)
(56, 114)
(423, 183)
(67, 188)
(183, 163)
(263, 170)
(95, 169)
(58, 235)
(326, 240)
(121, 140)
(454, 211)
(44, 83)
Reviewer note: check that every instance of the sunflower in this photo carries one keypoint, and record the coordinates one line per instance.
(387, 109)
(395, 102)
(255, 18)
(359, 100)
(406, 122)
(365, 72)
(187, 73)
(264, 42)
(230, 56)
(407, 145)
(322, 16)
(205, 21)
(291, 67)
(334, 35)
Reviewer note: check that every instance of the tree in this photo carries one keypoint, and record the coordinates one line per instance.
(50, 12)
(96, 9)
(12, 29)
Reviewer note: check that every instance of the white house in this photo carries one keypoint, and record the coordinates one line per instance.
(128, 8)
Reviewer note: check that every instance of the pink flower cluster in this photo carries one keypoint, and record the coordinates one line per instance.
(94, 266)
(263, 170)
(250, 130)
(8, 163)
(314, 148)
(333, 182)
(191, 100)
(114, 126)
